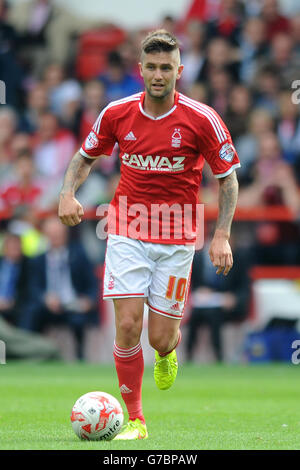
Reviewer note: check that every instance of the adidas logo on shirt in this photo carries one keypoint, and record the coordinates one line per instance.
(130, 136)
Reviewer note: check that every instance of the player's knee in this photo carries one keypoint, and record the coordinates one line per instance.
(126, 325)
(128, 329)
(160, 342)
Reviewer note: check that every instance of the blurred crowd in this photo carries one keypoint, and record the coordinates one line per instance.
(241, 57)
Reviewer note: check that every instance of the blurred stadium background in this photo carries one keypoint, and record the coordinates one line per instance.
(61, 63)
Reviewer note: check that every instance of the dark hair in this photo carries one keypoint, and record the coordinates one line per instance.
(159, 41)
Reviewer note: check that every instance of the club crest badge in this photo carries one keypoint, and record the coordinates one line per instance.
(111, 282)
(176, 138)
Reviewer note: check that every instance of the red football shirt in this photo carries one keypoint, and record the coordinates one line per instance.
(161, 165)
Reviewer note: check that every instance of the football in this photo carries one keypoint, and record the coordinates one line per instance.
(97, 416)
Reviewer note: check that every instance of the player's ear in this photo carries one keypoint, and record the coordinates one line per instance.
(180, 70)
(140, 68)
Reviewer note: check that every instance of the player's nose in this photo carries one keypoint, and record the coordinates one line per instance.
(157, 75)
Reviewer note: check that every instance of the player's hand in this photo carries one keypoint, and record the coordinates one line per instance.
(221, 255)
(70, 211)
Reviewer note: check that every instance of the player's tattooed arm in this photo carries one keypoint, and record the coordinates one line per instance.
(228, 195)
(70, 210)
(220, 250)
(77, 172)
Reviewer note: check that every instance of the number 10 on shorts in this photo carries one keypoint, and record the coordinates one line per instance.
(178, 286)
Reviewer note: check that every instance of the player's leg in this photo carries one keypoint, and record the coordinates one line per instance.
(164, 337)
(163, 332)
(126, 279)
(166, 300)
(129, 363)
(129, 321)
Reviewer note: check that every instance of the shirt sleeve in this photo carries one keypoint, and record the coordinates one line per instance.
(100, 140)
(216, 145)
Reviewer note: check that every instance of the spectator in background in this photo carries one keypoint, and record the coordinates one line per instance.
(193, 55)
(220, 56)
(267, 88)
(64, 94)
(94, 191)
(288, 127)
(46, 30)
(253, 47)
(228, 22)
(93, 101)
(198, 91)
(169, 23)
(53, 147)
(26, 223)
(219, 88)
(117, 81)
(238, 111)
(283, 59)
(8, 126)
(24, 188)
(37, 104)
(13, 278)
(21, 144)
(273, 181)
(260, 123)
(295, 33)
(63, 287)
(11, 72)
(274, 20)
(130, 53)
(252, 7)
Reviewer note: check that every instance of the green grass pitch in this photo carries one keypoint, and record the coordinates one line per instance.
(209, 407)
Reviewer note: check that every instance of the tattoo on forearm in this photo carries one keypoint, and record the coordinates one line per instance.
(228, 194)
(77, 172)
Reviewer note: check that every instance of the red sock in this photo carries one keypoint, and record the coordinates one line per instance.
(130, 370)
(178, 342)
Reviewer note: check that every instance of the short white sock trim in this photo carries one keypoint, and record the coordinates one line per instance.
(122, 352)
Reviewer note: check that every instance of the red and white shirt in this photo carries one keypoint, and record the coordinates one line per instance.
(161, 164)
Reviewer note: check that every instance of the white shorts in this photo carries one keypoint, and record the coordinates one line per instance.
(159, 272)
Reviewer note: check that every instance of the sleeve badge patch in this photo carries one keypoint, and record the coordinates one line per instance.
(227, 152)
(91, 141)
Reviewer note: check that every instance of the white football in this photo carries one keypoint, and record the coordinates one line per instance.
(97, 416)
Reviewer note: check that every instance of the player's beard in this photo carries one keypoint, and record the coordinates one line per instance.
(167, 90)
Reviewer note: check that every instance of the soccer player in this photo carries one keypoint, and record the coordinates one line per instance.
(164, 139)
